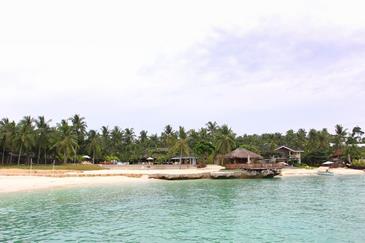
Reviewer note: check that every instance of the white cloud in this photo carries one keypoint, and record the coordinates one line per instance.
(148, 63)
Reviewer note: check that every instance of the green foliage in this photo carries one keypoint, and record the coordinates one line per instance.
(56, 167)
(204, 149)
(224, 140)
(358, 163)
(36, 140)
(110, 158)
(250, 147)
(304, 166)
(315, 158)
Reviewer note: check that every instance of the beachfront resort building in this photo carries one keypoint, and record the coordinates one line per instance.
(287, 155)
(190, 160)
(242, 156)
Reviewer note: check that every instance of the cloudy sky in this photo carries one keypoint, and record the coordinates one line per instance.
(259, 66)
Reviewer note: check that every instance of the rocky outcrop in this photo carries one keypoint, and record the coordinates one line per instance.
(245, 174)
(180, 176)
(227, 174)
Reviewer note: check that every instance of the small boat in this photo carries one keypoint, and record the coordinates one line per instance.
(325, 173)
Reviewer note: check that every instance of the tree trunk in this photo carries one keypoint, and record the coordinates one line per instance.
(2, 159)
(94, 157)
(180, 155)
(45, 156)
(20, 153)
(39, 154)
(64, 157)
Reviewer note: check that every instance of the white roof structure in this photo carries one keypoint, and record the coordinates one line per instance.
(290, 149)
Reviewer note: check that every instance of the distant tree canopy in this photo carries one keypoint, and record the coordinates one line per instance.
(70, 140)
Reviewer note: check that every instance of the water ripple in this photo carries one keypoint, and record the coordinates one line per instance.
(309, 209)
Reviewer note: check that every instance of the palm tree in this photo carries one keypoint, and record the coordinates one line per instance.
(357, 133)
(116, 140)
(143, 142)
(105, 141)
(25, 135)
(7, 132)
(225, 140)
(143, 137)
(154, 141)
(212, 127)
(339, 139)
(93, 144)
(79, 127)
(66, 140)
(43, 133)
(168, 136)
(301, 138)
(182, 144)
(340, 134)
(168, 129)
(128, 135)
(324, 139)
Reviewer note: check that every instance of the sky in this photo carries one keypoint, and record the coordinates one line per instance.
(258, 66)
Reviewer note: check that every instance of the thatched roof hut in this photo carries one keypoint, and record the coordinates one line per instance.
(242, 155)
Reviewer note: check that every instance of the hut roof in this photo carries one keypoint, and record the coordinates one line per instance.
(242, 153)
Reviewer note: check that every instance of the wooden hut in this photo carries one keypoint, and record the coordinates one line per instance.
(242, 156)
(287, 154)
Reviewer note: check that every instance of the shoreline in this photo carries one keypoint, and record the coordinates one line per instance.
(289, 172)
(10, 184)
(18, 180)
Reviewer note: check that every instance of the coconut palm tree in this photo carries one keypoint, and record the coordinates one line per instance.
(42, 135)
(212, 127)
(225, 141)
(105, 141)
(93, 144)
(128, 135)
(357, 133)
(79, 128)
(168, 136)
(25, 135)
(7, 134)
(182, 144)
(66, 140)
(340, 135)
(154, 141)
(116, 141)
(339, 139)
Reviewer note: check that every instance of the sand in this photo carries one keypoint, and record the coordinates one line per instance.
(28, 183)
(14, 180)
(20, 180)
(313, 172)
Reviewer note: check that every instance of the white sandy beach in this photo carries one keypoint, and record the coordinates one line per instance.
(312, 172)
(89, 178)
(28, 183)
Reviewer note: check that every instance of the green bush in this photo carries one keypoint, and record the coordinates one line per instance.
(358, 163)
(316, 158)
(111, 158)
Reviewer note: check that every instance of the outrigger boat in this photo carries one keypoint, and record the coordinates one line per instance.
(325, 173)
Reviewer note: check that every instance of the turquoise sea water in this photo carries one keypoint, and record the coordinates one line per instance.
(301, 209)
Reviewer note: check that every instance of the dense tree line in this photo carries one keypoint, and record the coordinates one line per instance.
(37, 141)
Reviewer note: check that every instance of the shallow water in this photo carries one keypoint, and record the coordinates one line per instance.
(298, 209)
